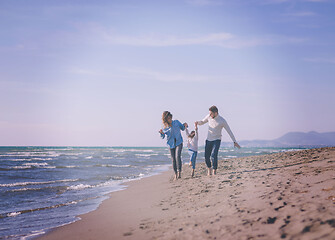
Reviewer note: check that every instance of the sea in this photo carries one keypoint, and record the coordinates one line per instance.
(45, 187)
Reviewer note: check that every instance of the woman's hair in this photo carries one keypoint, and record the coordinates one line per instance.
(165, 116)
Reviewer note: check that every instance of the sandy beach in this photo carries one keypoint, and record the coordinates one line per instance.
(287, 195)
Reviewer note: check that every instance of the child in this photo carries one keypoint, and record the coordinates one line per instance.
(192, 144)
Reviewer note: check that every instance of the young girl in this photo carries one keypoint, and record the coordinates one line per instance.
(192, 144)
(174, 140)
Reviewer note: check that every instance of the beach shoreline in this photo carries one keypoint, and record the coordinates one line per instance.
(288, 195)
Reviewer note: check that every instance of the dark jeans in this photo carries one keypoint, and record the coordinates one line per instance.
(176, 157)
(212, 149)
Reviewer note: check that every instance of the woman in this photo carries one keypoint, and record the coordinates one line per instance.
(174, 140)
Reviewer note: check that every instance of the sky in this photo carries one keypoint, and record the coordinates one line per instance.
(101, 73)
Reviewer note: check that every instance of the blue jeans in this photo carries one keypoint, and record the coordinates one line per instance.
(212, 150)
(193, 155)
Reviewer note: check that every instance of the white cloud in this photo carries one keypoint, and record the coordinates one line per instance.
(165, 41)
(144, 74)
(226, 40)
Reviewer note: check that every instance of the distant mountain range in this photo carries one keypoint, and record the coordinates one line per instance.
(292, 139)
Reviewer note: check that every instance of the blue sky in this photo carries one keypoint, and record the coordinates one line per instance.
(100, 73)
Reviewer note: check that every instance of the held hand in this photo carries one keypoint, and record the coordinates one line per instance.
(185, 125)
(161, 131)
(237, 145)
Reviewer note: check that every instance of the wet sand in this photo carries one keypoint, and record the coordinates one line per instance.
(279, 196)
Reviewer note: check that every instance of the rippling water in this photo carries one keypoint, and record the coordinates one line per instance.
(45, 187)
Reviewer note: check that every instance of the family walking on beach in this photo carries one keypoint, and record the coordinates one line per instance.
(175, 141)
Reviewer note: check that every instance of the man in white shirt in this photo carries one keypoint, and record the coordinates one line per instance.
(215, 125)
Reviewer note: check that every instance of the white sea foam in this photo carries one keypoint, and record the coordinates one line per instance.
(20, 167)
(19, 159)
(122, 150)
(13, 214)
(30, 154)
(32, 165)
(42, 159)
(121, 166)
(36, 183)
(29, 159)
(25, 189)
(78, 187)
(143, 155)
(36, 164)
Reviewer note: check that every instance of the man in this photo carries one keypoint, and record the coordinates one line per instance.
(215, 125)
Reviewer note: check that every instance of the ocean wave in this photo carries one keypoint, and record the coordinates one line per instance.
(13, 214)
(69, 166)
(30, 165)
(111, 165)
(34, 164)
(143, 155)
(20, 167)
(59, 189)
(79, 187)
(30, 154)
(42, 159)
(96, 165)
(36, 183)
(18, 159)
(122, 150)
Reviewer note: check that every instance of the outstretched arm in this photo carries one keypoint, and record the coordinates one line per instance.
(187, 133)
(205, 120)
(182, 126)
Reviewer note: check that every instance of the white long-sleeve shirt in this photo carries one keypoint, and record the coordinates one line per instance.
(215, 126)
(192, 143)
